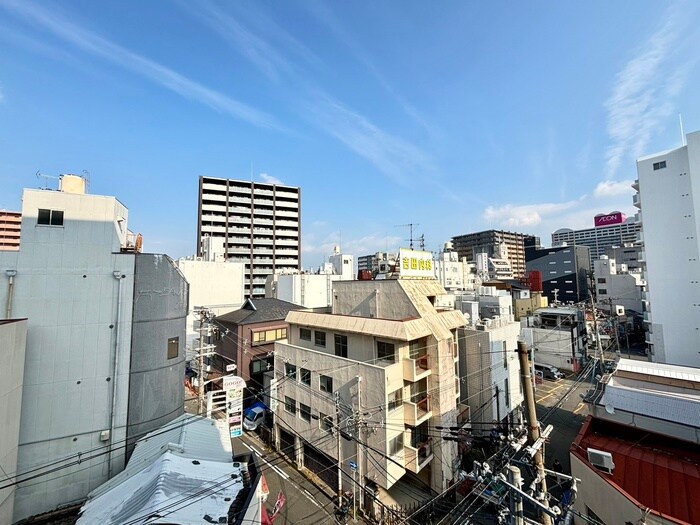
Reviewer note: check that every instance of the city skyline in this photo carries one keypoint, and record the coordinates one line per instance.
(461, 119)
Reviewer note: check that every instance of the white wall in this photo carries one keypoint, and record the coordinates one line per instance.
(624, 289)
(219, 286)
(307, 290)
(66, 287)
(13, 338)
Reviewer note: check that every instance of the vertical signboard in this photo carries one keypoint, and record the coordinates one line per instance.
(233, 386)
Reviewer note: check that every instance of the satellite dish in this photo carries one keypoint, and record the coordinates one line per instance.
(610, 409)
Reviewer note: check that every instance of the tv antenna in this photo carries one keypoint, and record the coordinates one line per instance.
(410, 225)
(46, 178)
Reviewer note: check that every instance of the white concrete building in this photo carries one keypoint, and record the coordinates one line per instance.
(217, 286)
(558, 337)
(388, 355)
(669, 200)
(105, 341)
(311, 290)
(452, 272)
(616, 286)
(260, 225)
(13, 340)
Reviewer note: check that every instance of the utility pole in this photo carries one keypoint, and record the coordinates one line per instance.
(533, 427)
(516, 502)
(360, 420)
(340, 452)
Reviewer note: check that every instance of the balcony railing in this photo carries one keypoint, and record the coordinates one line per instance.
(416, 369)
(636, 201)
(418, 458)
(417, 412)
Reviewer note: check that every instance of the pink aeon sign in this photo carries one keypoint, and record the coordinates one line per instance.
(609, 219)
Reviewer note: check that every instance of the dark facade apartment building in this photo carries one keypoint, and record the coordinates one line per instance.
(251, 222)
(565, 271)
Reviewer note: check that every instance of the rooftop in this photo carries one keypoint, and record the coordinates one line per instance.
(654, 471)
(259, 311)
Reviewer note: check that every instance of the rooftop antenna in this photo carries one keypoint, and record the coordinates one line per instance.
(421, 240)
(40, 175)
(87, 180)
(410, 225)
(680, 120)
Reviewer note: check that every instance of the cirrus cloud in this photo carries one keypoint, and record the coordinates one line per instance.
(613, 188)
(515, 216)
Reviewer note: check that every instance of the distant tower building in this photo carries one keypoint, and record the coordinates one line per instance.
(611, 229)
(495, 243)
(669, 200)
(10, 226)
(258, 224)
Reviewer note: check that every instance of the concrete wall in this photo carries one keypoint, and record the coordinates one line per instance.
(13, 339)
(66, 287)
(368, 299)
(622, 289)
(156, 391)
(307, 290)
(670, 202)
(219, 286)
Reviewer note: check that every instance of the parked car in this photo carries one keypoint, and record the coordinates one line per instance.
(549, 372)
(254, 416)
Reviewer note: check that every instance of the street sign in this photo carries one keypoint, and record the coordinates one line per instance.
(231, 367)
(353, 466)
(233, 386)
(231, 382)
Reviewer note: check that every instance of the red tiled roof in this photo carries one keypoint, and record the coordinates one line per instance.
(659, 472)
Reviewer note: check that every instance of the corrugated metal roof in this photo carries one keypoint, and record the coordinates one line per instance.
(656, 471)
(161, 478)
(684, 373)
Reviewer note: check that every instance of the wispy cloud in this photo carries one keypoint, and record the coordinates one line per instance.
(94, 44)
(269, 179)
(517, 216)
(2, 94)
(643, 92)
(324, 14)
(611, 188)
(317, 250)
(400, 160)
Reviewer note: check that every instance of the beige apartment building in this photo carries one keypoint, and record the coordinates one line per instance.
(383, 369)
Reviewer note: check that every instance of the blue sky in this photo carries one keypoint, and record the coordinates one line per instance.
(458, 116)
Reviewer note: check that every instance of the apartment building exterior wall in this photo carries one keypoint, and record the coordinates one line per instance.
(615, 286)
(13, 340)
(89, 321)
(417, 377)
(669, 202)
(10, 229)
(469, 245)
(599, 239)
(557, 336)
(260, 225)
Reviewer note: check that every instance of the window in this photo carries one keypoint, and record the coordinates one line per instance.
(290, 405)
(396, 445)
(507, 393)
(267, 336)
(173, 347)
(341, 345)
(319, 338)
(325, 422)
(305, 376)
(603, 291)
(326, 384)
(259, 366)
(659, 165)
(305, 412)
(505, 355)
(290, 371)
(304, 334)
(50, 217)
(386, 351)
(395, 399)
(601, 280)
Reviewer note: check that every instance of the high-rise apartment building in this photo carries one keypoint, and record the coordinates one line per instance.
(251, 222)
(669, 200)
(612, 229)
(497, 244)
(10, 226)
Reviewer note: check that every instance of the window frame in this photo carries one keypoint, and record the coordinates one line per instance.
(290, 402)
(49, 217)
(173, 341)
(318, 338)
(329, 380)
(396, 402)
(395, 445)
(325, 422)
(290, 371)
(303, 332)
(303, 412)
(341, 345)
(305, 372)
(385, 357)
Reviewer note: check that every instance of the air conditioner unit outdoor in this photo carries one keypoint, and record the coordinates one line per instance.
(601, 459)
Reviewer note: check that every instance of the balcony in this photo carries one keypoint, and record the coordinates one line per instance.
(416, 413)
(416, 369)
(642, 257)
(647, 317)
(455, 351)
(636, 201)
(635, 184)
(418, 458)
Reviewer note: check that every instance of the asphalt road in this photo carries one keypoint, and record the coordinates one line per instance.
(305, 503)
